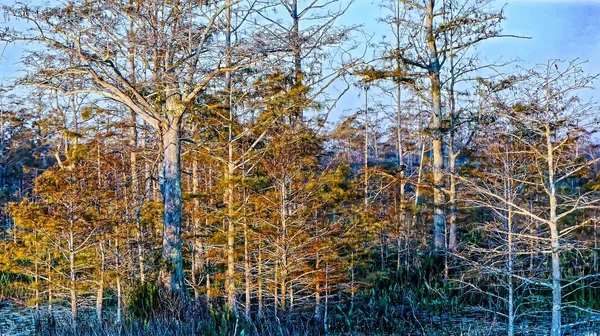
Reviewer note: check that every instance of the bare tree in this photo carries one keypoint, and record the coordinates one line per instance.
(549, 123)
(427, 50)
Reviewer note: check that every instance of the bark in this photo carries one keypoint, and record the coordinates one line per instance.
(439, 212)
(366, 150)
(100, 295)
(554, 242)
(402, 203)
(420, 174)
(136, 196)
(230, 281)
(297, 53)
(172, 267)
(72, 280)
(49, 270)
(36, 277)
(283, 243)
(260, 280)
(197, 262)
(508, 194)
(317, 296)
(511, 299)
(326, 307)
(229, 197)
(247, 268)
(452, 204)
(118, 280)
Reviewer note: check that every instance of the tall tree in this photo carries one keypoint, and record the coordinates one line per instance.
(174, 45)
(427, 51)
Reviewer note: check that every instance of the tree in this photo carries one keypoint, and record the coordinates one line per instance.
(549, 122)
(175, 57)
(426, 53)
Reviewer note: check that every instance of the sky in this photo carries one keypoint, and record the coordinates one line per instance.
(564, 29)
(559, 29)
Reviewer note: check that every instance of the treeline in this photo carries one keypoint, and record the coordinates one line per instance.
(175, 162)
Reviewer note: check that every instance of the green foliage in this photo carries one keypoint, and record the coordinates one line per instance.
(144, 301)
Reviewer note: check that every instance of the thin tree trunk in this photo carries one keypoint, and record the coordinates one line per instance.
(554, 242)
(100, 295)
(247, 266)
(36, 277)
(508, 195)
(230, 281)
(118, 280)
(297, 53)
(197, 264)
(439, 212)
(420, 175)
(49, 270)
(260, 280)
(317, 316)
(72, 280)
(511, 291)
(283, 243)
(326, 308)
(366, 150)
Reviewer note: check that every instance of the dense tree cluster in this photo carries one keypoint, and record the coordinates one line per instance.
(179, 156)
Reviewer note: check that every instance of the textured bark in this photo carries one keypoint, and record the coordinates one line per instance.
(172, 267)
(49, 275)
(247, 270)
(439, 212)
(452, 205)
(229, 197)
(260, 280)
(366, 150)
(72, 280)
(510, 262)
(118, 281)
(283, 243)
(230, 281)
(554, 235)
(510, 269)
(196, 252)
(100, 294)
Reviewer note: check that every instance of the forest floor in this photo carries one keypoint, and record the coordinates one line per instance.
(18, 320)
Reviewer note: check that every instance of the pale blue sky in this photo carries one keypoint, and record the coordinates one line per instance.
(559, 29)
(563, 29)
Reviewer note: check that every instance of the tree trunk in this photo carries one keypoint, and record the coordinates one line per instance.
(100, 295)
(366, 150)
(317, 297)
(259, 284)
(197, 264)
(229, 280)
(229, 199)
(554, 235)
(49, 270)
(247, 267)
(508, 194)
(118, 280)
(283, 243)
(326, 307)
(439, 213)
(72, 281)
(453, 208)
(172, 267)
